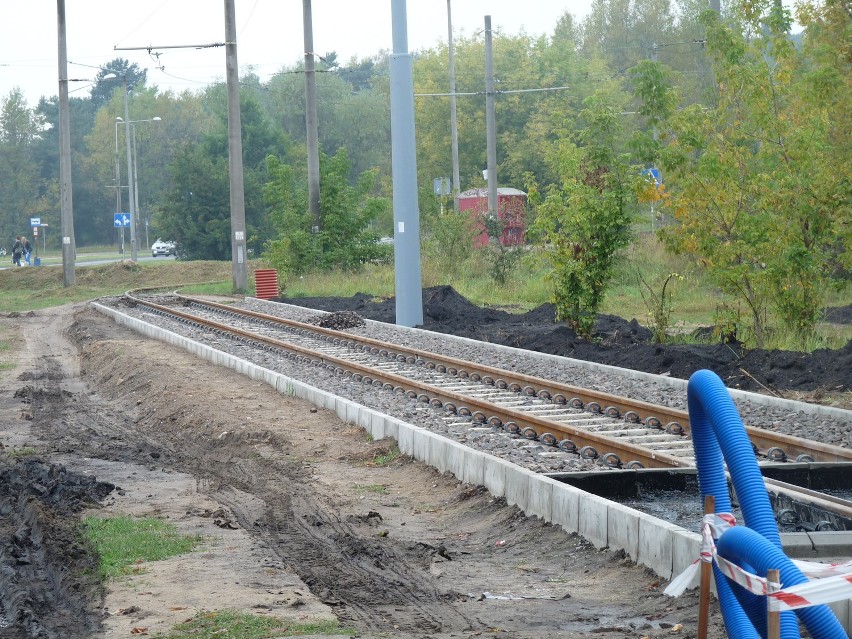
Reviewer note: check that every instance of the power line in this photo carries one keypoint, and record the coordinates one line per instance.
(421, 95)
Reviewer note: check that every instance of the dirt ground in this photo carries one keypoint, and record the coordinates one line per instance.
(301, 515)
(822, 375)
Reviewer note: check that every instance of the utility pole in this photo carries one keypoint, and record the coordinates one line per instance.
(66, 208)
(311, 119)
(656, 136)
(454, 124)
(406, 212)
(490, 121)
(135, 186)
(235, 153)
(118, 186)
(130, 198)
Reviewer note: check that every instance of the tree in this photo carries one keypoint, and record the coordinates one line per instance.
(123, 70)
(20, 128)
(196, 213)
(346, 240)
(585, 220)
(755, 184)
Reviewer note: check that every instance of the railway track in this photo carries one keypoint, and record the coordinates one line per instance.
(555, 414)
(618, 432)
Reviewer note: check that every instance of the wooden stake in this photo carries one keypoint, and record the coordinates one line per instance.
(773, 619)
(704, 583)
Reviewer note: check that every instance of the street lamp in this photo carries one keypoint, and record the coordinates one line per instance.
(133, 244)
(133, 195)
(118, 186)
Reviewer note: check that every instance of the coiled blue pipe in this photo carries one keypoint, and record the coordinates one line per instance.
(743, 545)
(719, 436)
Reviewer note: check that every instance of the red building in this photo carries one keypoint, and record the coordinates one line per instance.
(511, 211)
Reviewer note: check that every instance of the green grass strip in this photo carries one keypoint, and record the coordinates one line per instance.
(228, 624)
(123, 542)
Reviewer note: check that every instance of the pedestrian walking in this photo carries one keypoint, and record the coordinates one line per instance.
(28, 249)
(17, 251)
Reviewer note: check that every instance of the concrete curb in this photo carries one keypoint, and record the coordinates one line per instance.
(661, 546)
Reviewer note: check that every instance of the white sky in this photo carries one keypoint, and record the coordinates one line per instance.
(269, 34)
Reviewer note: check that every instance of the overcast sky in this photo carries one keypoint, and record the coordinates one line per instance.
(269, 35)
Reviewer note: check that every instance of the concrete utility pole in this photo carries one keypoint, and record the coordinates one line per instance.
(311, 119)
(134, 249)
(490, 121)
(454, 123)
(118, 186)
(406, 212)
(66, 208)
(235, 153)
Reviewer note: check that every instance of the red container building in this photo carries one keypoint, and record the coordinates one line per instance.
(511, 211)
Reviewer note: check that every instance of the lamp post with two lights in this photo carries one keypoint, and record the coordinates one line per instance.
(132, 182)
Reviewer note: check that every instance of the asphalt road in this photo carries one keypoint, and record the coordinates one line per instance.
(89, 260)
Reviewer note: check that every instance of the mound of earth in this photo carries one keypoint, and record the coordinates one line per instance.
(616, 341)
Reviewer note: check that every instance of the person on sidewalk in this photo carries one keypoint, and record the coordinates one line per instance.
(28, 249)
(17, 251)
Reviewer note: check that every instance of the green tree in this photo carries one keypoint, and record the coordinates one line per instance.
(346, 240)
(585, 220)
(121, 69)
(759, 188)
(20, 127)
(196, 213)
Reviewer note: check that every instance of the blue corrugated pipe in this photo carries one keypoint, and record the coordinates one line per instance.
(719, 437)
(745, 546)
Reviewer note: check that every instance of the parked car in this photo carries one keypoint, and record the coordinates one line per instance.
(161, 247)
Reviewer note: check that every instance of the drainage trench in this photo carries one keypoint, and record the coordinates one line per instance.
(673, 495)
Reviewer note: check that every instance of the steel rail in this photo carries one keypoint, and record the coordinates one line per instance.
(478, 410)
(776, 446)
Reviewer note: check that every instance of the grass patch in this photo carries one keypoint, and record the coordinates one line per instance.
(123, 542)
(210, 288)
(525, 567)
(228, 624)
(370, 488)
(25, 289)
(24, 451)
(383, 459)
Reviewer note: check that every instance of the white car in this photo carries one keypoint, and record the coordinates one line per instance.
(163, 248)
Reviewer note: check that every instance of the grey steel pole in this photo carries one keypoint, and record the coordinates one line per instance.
(235, 154)
(406, 213)
(131, 191)
(66, 209)
(490, 121)
(454, 124)
(311, 120)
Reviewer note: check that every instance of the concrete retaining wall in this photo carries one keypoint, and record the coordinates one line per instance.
(663, 547)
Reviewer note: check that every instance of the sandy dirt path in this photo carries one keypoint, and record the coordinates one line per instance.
(301, 516)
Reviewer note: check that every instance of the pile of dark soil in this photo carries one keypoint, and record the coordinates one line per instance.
(615, 341)
(42, 558)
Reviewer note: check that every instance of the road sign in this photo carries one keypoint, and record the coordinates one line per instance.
(653, 173)
(35, 221)
(120, 220)
(441, 186)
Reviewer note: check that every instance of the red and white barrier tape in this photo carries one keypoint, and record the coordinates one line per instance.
(812, 593)
(832, 582)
